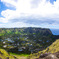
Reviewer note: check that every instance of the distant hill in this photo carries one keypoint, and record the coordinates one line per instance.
(28, 30)
(53, 48)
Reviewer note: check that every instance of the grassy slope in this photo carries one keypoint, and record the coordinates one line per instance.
(5, 55)
(20, 56)
(52, 48)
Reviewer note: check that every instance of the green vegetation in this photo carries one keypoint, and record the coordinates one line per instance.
(22, 54)
(25, 39)
(21, 42)
(5, 55)
(54, 47)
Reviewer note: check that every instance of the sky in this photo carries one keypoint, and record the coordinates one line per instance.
(29, 13)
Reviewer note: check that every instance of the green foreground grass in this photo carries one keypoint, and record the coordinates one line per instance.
(20, 56)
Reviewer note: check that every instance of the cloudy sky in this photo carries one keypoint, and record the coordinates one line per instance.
(29, 13)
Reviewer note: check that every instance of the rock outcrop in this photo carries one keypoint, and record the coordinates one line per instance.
(49, 56)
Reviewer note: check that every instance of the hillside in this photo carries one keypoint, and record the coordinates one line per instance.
(29, 39)
(53, 48)
(25, 30)
(5, 55)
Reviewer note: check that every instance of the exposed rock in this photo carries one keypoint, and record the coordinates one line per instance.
(49, 56)
(0, 58)
(7, 58)
(1, 53)
(15, 57)
(44, 55)
(57, 54)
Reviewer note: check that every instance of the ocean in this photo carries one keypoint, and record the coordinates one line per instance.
(55, 31)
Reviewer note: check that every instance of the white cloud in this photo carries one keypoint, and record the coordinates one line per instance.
(35, 9)
(9, 3)
(17, 24)
(3, 20)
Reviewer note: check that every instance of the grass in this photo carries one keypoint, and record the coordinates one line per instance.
(4, 54)
(20, 56)
(54, 47)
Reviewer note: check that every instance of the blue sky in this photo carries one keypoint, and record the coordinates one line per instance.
(52, 1)
(29, 13)
(3, 7)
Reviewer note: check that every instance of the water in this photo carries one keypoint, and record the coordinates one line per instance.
(55, 31)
